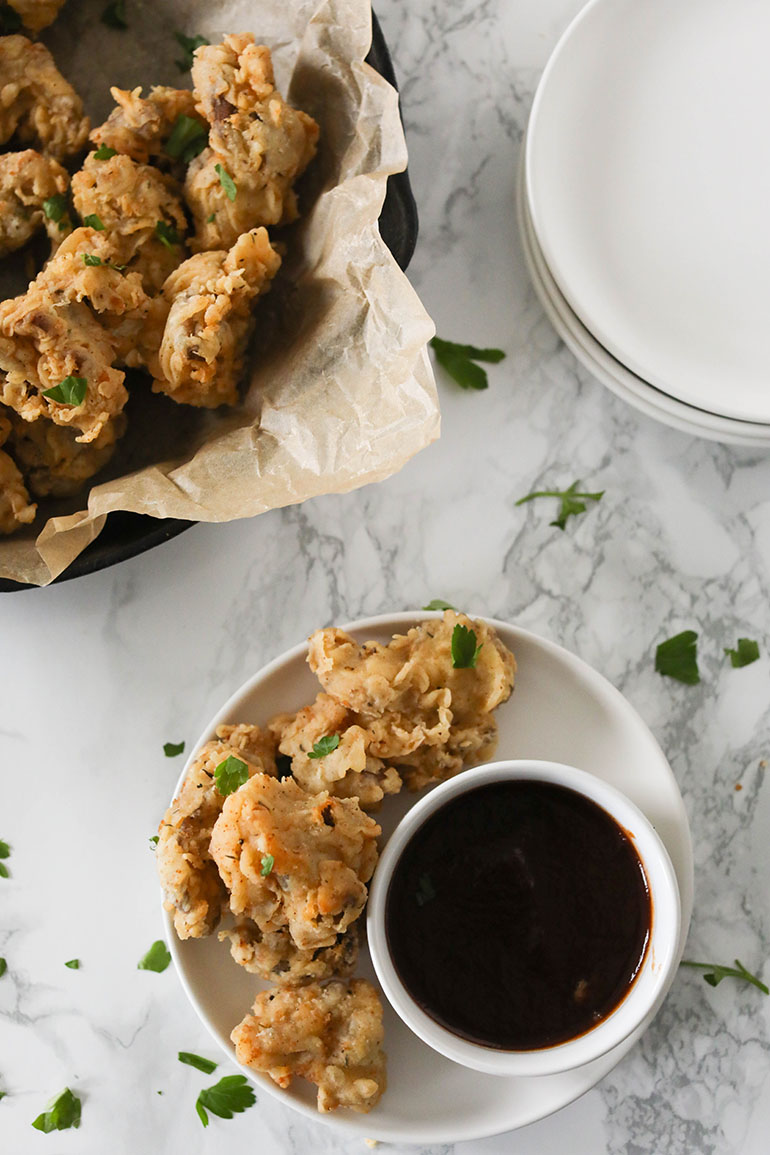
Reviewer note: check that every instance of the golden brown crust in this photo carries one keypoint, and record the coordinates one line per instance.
(15, 507)
(27, 180)
(274, 956)
(54, 462)
(36, 103)
(140, 126)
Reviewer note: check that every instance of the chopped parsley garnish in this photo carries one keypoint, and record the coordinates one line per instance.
(167, 234)
(425, 891)
(678, 658)
(716, 972)
(268, 862)
(227, 182)
(464, 648)
(10, 21)
(226, 1098)
(73, 964)
(154, 841)
(5, 852)
(91, 259)
(188, 45)
(205, 1065)
(70, 391)
(156, 959)
(324, 746)
(171, 749)
(746, 652)
(231, 774)
(572, 502)
(94, 221)
(61, 1113)
(55, 207)
(103, 152)
(440, 604)
(211, 217)
(114, 15)
(188, 138)
(458, 360)
(3, 967)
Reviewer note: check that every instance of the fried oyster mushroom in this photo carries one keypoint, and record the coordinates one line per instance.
(294, 859)
(54, 462)
(205, 317)
(192, 887)
(36, 14)
(15, 507)
(36, 102)
(331, 1035)
(274, 957)
(27, 180)
(140, 125)
(256, 140)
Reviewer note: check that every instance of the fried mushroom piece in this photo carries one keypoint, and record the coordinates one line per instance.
(350, 770)
(140, 209)
(208, 319)
(294, 859)
(36, 102)
(140, 125)
(84, 267)
(27, 180)
(54, 462)
(36, 14)
(191, 884)
(331, 1035)
(42, 342)
(273, 956)
(256, 138)
(15, 507)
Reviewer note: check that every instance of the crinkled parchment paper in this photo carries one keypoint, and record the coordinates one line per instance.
(340, 389)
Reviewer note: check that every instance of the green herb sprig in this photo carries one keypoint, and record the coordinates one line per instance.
(677, 658)
(73, 964)
(61, 1113)
(458, 361)
(324, 746)
(94, 221)
(230, 774)
(167, 234)
(746, 652)
(171, 749)
(439, 604)
(227, 182)
(5, 852)
(268, 862)
(715, 972)
(464, 648)
(200, 1064)
(573, 502)
(188, 44)
(156, 959)
(188, 138)
(104, 152)
(228, 1097)
(70, 391)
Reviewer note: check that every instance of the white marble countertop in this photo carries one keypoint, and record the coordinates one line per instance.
(98, 673)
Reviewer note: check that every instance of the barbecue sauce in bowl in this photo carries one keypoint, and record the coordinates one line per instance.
(519, 915)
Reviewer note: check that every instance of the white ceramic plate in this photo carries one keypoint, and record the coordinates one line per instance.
(607, 369)
(562, 711)
(649, 183)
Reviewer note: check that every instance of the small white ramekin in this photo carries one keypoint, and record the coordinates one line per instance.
(645, 994)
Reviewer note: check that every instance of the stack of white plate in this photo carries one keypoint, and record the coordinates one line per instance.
(644, 207)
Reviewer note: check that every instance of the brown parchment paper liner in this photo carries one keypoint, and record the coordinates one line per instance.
(346, 393)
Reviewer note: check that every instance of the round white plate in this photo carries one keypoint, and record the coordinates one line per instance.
(648, 185)
(607, 369)
(561, 711)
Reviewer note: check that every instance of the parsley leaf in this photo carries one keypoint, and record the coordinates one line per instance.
(5, 850)
(55, 207)
(103, 152)
(171, 749)
(205, 1065)
(61, 1113)
(227, 182)
(464, 648)
(268, 862)
(156, 959)
(458, 362)
(167, 234)
(154, 841)
(91, 259)
(188, 138)
(114, 15)
(73, 964)
(188, 45)
(226, 1098)
(231, 774)
(678, 658)
(746, 652)
(10, 21)
(324, 746)
(572, 502)
(440, 604)
(94, 221)
(211, 217)
(716, 973)
(3, 967)
(70, 391)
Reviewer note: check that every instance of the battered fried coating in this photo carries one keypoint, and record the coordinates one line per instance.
(132, 200)
(349, 771)
(27, 179)
(15, 507)
(273, 956)
(55, 464)
(261, 142)
(140, 126)
(41, 343)
(36, 102)
(85, 268)
(294, 859)
(191, 884)
(208, 321)
(36, 14)
(331, 1035)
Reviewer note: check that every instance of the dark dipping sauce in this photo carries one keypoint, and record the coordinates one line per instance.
(518, 915)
